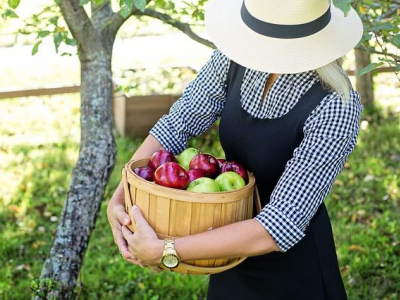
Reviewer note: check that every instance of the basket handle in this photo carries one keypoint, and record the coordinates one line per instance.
(257, 200)
(206, 270)
(128, 199)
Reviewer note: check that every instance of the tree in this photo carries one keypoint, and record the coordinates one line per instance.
(93, 26)
(381, 38)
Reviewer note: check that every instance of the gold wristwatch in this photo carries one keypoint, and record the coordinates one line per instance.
(170, 258)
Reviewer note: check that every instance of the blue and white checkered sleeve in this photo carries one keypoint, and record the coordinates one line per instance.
(330, 135)
(199, 107)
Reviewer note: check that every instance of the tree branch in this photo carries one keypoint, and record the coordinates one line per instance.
(185, 28)
(390, 12)
(372, 50)
(101, 14)
(80, 25)
(117, 20)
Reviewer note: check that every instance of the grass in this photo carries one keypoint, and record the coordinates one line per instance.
(38, 154)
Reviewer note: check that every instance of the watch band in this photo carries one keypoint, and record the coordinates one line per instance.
(170, 258)
(170, 244)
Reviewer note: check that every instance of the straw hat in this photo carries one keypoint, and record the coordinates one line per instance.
(282, 36)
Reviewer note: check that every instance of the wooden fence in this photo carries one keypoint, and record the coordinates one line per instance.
(76, 89)
(40, 92)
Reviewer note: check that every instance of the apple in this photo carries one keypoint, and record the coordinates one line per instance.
(203, 185)
(145, 172)
(194, 174)
(160, 157)
(206, 163)
(172, 175)
(186, 156)
(229, 181)
(221, 161)
(235, 167)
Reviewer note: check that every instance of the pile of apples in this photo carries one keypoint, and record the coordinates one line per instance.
(193, 171)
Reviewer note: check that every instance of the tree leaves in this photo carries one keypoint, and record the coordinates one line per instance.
(36, 47)
(9, 13)
(13, 3)
(126, 6)
(369, 68)
(140, 4)
(396, 40)
(343, 5)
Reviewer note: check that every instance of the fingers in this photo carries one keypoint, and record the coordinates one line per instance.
(133, 261)
(126, 233)
(138, 216)
(121, 215)
(122, 245)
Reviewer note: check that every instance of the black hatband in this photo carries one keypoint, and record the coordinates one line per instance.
(285, 31)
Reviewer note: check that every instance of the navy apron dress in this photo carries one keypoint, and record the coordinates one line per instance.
(307, 271)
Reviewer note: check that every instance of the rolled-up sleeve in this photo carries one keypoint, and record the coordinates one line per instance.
(330, 135)
(199, 107)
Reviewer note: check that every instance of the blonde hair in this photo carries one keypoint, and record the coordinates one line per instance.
(333, 79)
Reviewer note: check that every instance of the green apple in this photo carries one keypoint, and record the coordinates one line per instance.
(186, 156)
(203, 185)
(229, 181)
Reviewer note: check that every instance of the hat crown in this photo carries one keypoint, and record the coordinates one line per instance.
(287, 12)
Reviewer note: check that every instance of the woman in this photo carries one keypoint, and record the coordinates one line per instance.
(289, 115)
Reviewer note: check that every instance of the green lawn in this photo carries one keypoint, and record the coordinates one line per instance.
(37, 154)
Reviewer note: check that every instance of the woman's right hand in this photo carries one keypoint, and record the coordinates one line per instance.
(116, 207)
(117, 217)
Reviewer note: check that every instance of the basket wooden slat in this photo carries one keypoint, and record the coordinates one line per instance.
(178, 213)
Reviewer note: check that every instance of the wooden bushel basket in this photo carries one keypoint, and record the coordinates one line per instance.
(177, 213)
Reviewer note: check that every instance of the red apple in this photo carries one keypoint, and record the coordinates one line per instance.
(145, 172)
(172, 175)
(160, 157)
(194, 174)
(220, 162)
(206, 163)
(234, 166)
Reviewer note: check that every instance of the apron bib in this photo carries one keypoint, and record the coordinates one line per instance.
(307, 271)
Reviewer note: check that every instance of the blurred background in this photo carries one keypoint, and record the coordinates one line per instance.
(40, 136)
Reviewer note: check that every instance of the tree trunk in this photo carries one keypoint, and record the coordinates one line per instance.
(95, 36)
(96, 154)
(89, 178)
(365, 83)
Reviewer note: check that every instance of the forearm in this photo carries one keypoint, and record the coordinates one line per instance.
(242, 239)
(148, 147)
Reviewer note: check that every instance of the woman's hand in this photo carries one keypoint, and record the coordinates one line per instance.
(144, 244)
(117, 217)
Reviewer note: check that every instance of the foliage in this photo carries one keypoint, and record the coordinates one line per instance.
(49, 23)
(42, 288)
(148, 81)
(381, 20)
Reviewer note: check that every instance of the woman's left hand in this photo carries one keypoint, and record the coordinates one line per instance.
(144, 244)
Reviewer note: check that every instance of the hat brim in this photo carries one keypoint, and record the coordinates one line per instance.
(282, 56)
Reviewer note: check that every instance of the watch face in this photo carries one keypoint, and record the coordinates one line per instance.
(170, 261)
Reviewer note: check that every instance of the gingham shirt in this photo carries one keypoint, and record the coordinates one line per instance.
(330, 134)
